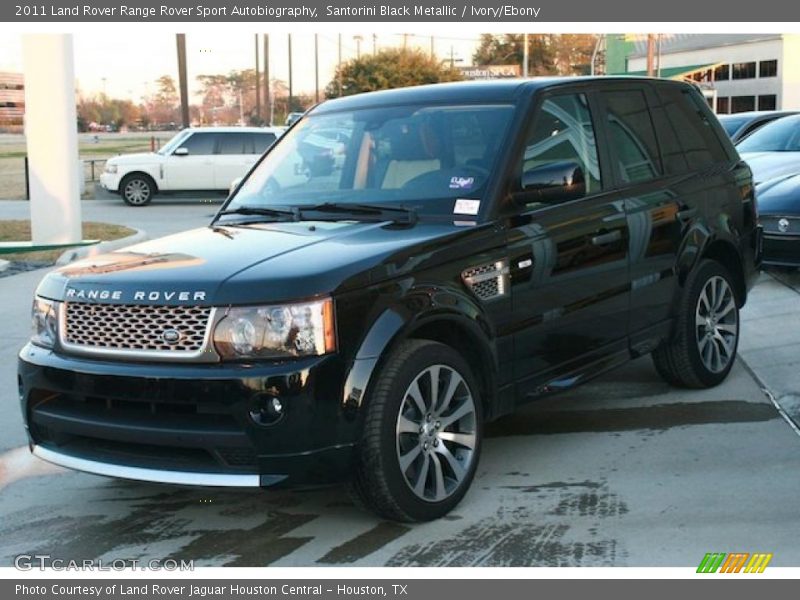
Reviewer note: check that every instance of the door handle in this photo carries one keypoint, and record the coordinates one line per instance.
(603, 239)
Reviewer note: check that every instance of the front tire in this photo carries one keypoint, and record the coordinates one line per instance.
(703, 348)
(137, 189)
(422, 434)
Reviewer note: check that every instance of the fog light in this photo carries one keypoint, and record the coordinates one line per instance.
(266, 410)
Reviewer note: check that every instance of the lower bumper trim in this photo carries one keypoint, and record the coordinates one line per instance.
(156, 475)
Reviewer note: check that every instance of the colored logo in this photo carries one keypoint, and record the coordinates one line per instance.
(735, 562)
(783, 225)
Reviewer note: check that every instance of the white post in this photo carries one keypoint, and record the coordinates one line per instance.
(51, 134)
(525, 59)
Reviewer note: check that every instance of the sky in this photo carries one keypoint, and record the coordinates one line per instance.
(127, 65)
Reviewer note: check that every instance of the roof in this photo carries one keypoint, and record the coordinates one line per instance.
(675, 72)
(462, 92)
(236, 129)
(755, 114)
(687, 42)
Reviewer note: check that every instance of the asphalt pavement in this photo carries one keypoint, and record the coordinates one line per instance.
(624, 471)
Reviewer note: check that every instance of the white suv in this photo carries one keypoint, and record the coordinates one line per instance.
(201, 158)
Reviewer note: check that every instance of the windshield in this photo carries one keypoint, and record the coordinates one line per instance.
(732, 124)
(171, 145)
(419, 157)
(782, 135)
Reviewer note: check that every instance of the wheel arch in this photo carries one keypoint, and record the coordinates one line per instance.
(139, 172)
(725, 253)
(460, 326)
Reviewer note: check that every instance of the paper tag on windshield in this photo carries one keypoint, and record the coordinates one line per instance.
(465, 206)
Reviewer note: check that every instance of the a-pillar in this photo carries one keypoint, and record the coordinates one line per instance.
(52, 138)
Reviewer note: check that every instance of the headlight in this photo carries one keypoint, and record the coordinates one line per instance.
(281, 331)
(44, 317)
(111, 168)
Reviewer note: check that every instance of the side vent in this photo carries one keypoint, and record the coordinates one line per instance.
(488, 281)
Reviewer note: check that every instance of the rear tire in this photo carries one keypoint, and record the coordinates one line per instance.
(703, 348)
(137, 189)
(421, 440)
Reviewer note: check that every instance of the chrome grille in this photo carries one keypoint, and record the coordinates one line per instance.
(133, 328)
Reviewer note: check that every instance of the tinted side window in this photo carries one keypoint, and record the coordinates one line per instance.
(234, 143)
(199, 144)
(261, 141)
(696, 136)
(562, 132)
(632, 138)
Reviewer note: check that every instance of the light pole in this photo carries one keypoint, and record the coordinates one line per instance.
(258, 83)
(289, 102)
(358, 39)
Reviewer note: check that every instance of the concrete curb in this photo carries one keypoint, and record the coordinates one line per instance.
(3, 265)
(84, 251)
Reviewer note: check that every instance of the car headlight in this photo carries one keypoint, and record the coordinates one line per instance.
(280, 331)
(44, 318)
(111, 168)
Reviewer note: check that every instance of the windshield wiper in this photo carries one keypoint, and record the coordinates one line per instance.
(364, 212)
(282, 214)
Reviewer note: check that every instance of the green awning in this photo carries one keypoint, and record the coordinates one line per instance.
(674, 72)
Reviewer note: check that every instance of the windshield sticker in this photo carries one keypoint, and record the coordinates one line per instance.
(465, 206)
(462, 183)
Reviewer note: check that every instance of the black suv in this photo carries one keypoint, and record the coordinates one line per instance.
(472, 246)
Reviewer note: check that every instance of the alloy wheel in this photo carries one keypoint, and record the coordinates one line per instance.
(137, 191)
(717, 324)
(436, 433)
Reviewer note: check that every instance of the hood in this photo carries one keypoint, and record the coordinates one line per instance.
(135, 159)
(769, 165)
(779, 197)
(262, 263)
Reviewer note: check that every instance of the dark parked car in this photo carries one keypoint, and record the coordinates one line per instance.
(483, 245)
(774, 150)
(779, 213)
(739, 125)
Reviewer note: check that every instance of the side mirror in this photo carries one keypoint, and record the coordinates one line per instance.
(553, 182)
(181, 152)
(234, 184)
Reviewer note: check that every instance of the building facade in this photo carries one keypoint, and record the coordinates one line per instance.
(740, 72)
(12, 99)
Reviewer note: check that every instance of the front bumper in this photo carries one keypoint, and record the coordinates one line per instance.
(188, 424)
(109, 181)
(781, 249)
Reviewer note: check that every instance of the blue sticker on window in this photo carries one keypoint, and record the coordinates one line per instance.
(462, 183)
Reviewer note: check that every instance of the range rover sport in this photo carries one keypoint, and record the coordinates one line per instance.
(476, 246)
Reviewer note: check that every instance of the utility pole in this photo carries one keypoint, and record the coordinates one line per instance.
(374, 44)
(525, 55)
(316, 67)
(184, 86)
(289, 103)
(405, 40)
(258, 85)
(358, 39)
(267, 92)
(650, 53)
(432, 54)
(339, 65)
